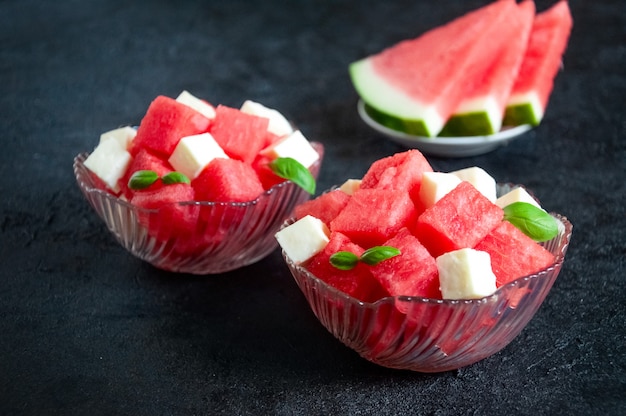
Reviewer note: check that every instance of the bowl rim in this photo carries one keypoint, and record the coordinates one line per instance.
(78, 164)
(564, 240)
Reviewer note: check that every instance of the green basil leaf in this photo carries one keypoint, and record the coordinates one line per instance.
(175, 177)
(290, 169)
(532, 221)
(344, 260)
(375, 255)
(141, 179)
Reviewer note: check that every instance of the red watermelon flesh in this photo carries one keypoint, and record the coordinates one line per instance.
(412, 273)
(166, 122)
(227, 180)
(528, 258)
(325, 207)
(267, 177)
(481, 110)
(144, 160)
(388, 330)
(460, 219)
(401, 171)
(372, 216)
(543, 58)
(173, 219)
(240, 134)
(357, 282)
(401, 86)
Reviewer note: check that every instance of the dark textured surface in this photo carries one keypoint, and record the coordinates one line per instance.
(87, 329)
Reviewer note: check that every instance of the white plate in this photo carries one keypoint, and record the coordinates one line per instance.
(447, 146)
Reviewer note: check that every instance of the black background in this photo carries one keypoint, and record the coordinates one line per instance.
(85, 328)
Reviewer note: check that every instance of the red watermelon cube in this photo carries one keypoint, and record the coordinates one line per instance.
(227, 180)
(460, 219)
(357, 282)
(165, 123)
(372, 216)
(144, 160)
(513, 253)
(411, 273)
(325, 207)
(172, 219)
(241, 135)
(402, 171)
(266, 175)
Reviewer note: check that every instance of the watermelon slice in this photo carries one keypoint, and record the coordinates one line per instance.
(403, 92)
(481, 110)
(535, 81)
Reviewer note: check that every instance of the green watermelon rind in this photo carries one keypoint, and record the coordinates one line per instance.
(391, 107)
(403, 125)
(469, 124)
(523, 113)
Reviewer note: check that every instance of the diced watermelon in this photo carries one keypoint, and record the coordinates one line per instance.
(144, 160)
(325, 207)
(387, 331)
(543, 58)
(513, 254)
(401, 171)
(373, 216)
(227, 180)
(241, 135)
(481, 110)
(165, 123)
(266, 175)
(357, 282)
(412, 273)
(460, 219)
(415, 85)
(173, 219)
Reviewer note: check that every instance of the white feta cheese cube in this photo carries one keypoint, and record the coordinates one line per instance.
(350, 186)
(295, 146)
(109, 161)
(482, 181)
(466, 274)
(201, 106)
(518, 194)
(304, 238)
(194, 153)
(435, 185)
(278, 125)
(124, 135)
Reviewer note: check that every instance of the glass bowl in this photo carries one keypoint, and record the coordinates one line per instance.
(432, 335)
(218, 236)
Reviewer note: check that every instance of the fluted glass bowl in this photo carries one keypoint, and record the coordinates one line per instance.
(432, 335)
(220, 237)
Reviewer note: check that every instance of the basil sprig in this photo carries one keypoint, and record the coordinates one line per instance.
(346, 260)
(175, 177)
(142, 179)
(532, 221)
(290, 169)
